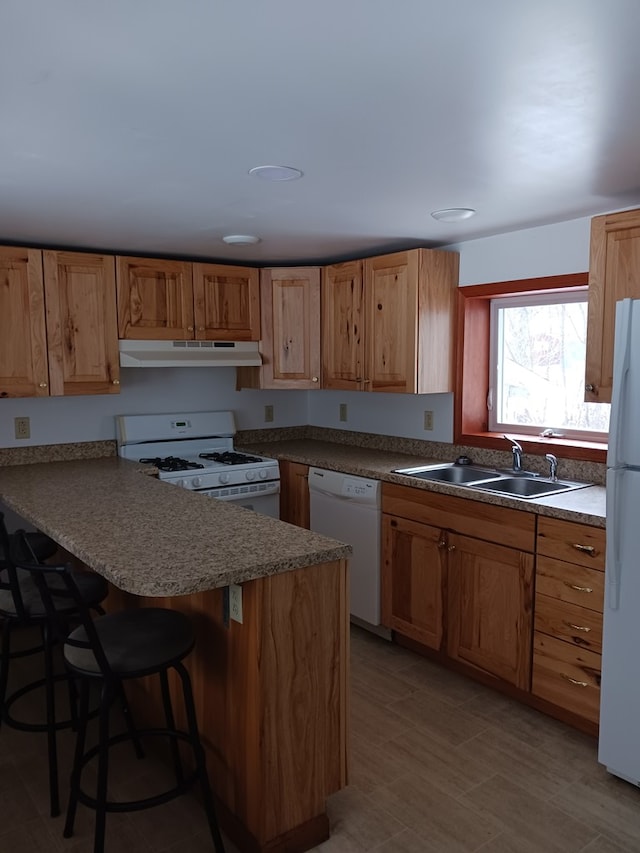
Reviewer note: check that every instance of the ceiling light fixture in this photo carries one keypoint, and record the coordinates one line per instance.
(453, 214)
(276, 173)
(240, 239)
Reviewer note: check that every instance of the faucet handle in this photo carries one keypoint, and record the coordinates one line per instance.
(514, 443)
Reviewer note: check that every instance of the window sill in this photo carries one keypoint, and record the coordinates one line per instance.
(585, 451)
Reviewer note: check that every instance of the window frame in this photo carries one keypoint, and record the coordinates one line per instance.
(472, 370)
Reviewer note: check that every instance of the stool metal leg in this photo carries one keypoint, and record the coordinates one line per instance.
(103, 766)
(168, 713)
(83, 713)
(207, 796)
(4, 664)
(128, 719)
(54, 797)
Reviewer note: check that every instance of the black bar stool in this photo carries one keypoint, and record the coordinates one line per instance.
(21, 605)
(110, 650)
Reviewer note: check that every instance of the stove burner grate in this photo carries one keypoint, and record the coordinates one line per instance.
(171, 463)
(230, 457)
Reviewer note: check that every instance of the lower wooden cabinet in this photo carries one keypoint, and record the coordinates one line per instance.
(568, 616)
(413, 579)
(490, 604)
(451, 590)
(294, 493)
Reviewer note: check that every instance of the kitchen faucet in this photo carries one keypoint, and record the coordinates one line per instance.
(516, 449)
(553, 466)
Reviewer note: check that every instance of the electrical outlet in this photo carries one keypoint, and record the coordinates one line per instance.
(268, 414)
(428, 420)
(22, 427)
(235, 602)
(343, 411)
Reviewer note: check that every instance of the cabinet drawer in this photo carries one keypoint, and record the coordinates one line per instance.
(575, 543)
(567, 582)
(502, 525)
(575, 625)
(567, 676)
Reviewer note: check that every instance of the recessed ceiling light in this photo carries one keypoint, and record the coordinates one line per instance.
(276, 173)
(453, 214)
(240, 239)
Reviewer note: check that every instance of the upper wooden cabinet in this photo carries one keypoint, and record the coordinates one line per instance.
(155, 299)
(177, 300)
(226, 303)
(388, 323)
(23, 347)
(290, 315)
(614, 274)
(82, 336)
(72, 348)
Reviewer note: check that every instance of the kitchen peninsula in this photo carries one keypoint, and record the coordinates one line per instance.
(271, 692)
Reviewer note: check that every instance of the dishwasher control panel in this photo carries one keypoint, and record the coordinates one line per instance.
(352, 488)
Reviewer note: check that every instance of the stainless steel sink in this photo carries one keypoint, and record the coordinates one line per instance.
(522, 487)
(450, 473)
(514, 485)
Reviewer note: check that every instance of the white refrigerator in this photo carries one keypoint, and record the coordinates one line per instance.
(619, 743)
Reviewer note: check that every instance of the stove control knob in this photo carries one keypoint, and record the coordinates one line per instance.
(224, 478)
(197, 481)
(250, 475)
(181, 483)
(263, 473)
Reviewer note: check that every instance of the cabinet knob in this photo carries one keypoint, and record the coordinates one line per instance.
(201, 328)
(42, 385)
(591, 389)
(189, 328)
(115, 381)
(314, 378)
(451, 548)
(442, 544)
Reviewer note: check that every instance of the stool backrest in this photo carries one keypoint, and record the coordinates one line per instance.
(67, 593)
(9, 572)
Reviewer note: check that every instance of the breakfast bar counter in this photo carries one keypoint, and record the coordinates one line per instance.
(272, 690)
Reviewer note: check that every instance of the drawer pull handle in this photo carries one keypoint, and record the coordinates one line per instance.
(586, 549)
(574, 681)
(577, 627)
(578, 588)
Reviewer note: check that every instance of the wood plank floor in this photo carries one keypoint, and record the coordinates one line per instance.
(438, 763)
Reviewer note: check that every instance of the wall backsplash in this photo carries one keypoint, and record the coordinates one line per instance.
(590, 472)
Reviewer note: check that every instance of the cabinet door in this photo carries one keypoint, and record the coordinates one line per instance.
(290, 300)
(614, 274)
(294, 493)
(391, 294)
(343, 331)
(23, 348)
(82, 332)
(155, 299)
(490, 608)
(413, 579)
(226, 303)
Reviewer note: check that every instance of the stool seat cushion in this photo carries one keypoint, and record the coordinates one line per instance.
(93, 589)
(135, 642)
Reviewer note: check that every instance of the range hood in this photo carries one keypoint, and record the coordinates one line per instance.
(189, 354)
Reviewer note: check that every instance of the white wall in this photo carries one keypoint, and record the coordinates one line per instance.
(61, 420)
(546, 250)
(387, 414)
(532, 253)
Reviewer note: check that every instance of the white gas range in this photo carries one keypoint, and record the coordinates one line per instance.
(195, 451)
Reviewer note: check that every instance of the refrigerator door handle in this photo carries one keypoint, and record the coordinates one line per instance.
(613, 564)
(621, 365)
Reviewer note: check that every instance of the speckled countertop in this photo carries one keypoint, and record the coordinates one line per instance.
(151, 538)
(586, 505)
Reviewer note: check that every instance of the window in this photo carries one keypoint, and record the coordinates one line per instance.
(477, 425)
(537, 365)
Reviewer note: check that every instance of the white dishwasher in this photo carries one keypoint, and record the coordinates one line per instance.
(347, 508)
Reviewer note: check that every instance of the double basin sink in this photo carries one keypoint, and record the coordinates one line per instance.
(513, 484)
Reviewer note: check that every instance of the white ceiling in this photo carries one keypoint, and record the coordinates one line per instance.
(132, 124)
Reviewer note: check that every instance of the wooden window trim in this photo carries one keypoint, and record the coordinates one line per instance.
(472, 370)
